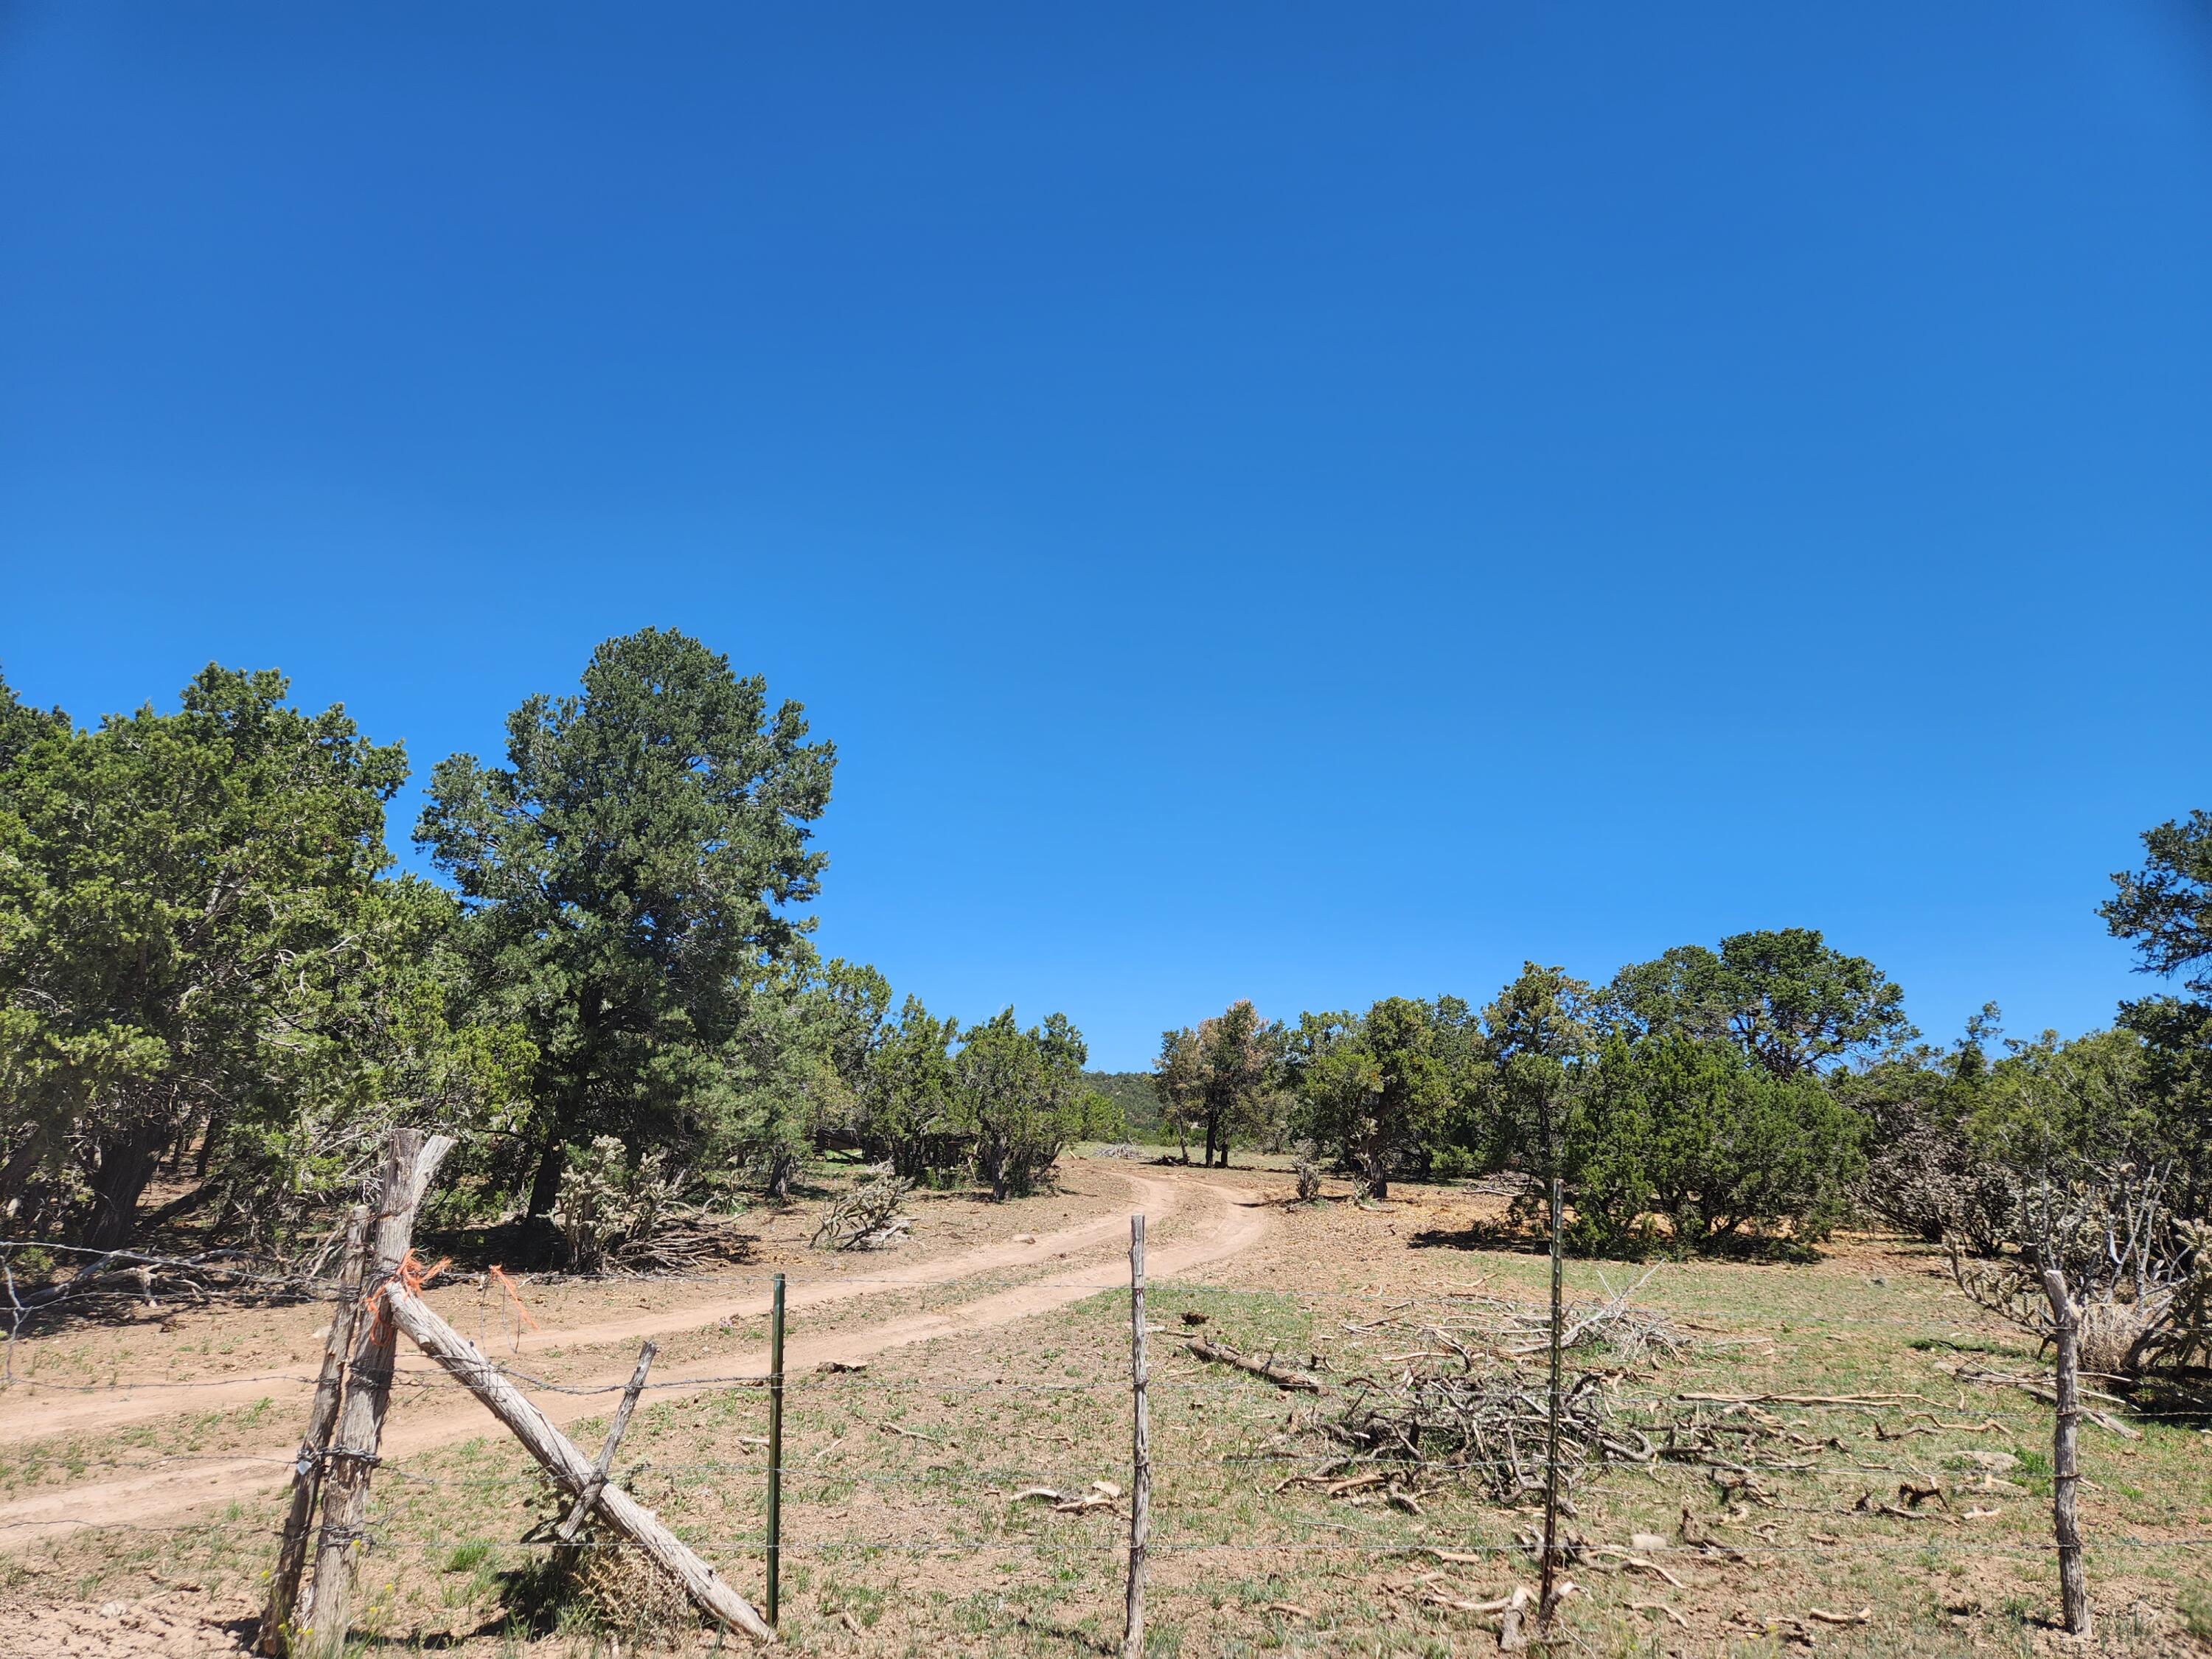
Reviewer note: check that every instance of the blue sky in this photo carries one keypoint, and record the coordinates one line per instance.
(1288, 501)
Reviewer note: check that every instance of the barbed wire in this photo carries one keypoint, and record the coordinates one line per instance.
(919, 1278)
(792, 1544)
(1197, 1384)
(1003, 1472)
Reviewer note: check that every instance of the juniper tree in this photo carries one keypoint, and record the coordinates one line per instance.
(1790, 1000)
(176, 891)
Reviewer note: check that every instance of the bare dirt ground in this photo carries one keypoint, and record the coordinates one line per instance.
(167, 1490)
(97, 1377)
(996, 1362)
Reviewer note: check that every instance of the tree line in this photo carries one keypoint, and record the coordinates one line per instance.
(1758, 1091)
(207, 955)
(209, 959)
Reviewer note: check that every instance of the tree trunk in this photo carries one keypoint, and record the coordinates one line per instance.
(2065, 1468)
(21, 1163)
(207, 1145)
(1209, 1142)
(545, 1185)
(126, 1162)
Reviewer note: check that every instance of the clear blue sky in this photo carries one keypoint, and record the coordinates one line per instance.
(1275, 501)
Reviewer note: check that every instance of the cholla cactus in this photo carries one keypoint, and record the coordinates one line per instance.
(590, 1194)
(1309, 1171)
(2140, 1276)
(867, 1217)
(605, 1206)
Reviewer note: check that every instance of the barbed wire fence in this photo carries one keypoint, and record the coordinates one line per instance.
(1055, 1486)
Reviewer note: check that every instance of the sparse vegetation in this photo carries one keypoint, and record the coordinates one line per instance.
(620, 1014)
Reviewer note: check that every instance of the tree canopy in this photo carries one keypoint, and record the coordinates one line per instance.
(1375, 1092)
(2165, 909)
(1534, 1033)
(1021, 1097)
(1792, 1001)
(205, 952)
(630, 875)
(186, 898)
(1220, 1074)
(1692, 1129)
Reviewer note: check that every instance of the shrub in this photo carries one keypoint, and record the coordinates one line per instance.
(1722, 1149)
(1308, 1172)
(1021, 1098)
(1924, 1173)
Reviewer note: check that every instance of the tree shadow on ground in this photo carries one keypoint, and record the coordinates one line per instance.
(1494, 1234)
(534, 1244)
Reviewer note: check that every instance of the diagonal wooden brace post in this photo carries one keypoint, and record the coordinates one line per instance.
(558, 1456)
(590, 1496)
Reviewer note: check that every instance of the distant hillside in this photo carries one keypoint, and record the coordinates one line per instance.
(1134, 1093)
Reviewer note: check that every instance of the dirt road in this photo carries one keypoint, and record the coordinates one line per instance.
(1226, 1220)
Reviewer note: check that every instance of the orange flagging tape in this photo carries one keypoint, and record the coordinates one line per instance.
(512, 1295)
(410, 1273)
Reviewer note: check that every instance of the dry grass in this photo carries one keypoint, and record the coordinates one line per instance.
(904, 1533)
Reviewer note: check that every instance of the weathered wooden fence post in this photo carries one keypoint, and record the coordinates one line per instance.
(410, 1162)
(775, 1449)
(1141, 1478)
(307, 1471)
(2065, 1468)
(1548, 1572)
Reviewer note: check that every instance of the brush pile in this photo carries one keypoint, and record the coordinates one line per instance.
(1631, 1337)
(116, 1278)
(1470, 1402)
(1452, 1426)
(684, 1240)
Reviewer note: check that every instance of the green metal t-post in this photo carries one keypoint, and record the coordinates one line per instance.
(775, 1447)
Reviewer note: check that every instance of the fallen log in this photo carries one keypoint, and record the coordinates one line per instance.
(2035, 1389)
(561, 1459)
(1281, 1376)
